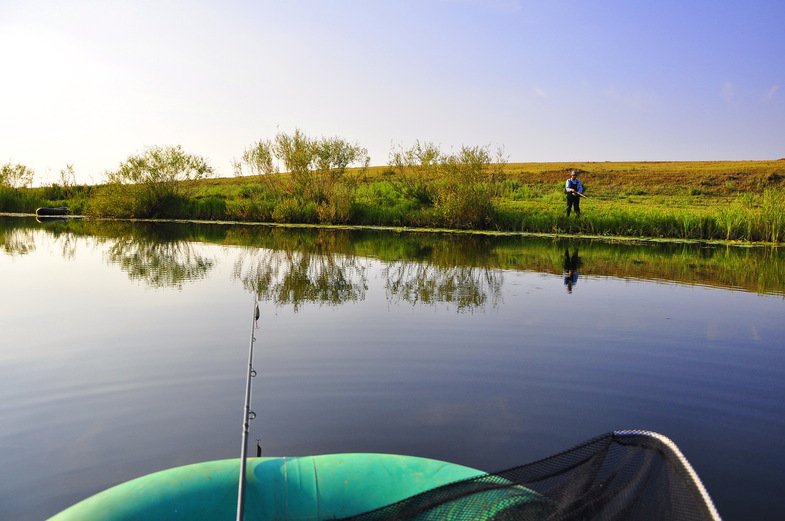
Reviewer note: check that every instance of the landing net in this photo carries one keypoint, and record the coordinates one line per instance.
(623, 475)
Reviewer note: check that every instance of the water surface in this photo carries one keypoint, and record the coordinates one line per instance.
(124, 351)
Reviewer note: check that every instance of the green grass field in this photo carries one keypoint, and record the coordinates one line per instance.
(718, 200)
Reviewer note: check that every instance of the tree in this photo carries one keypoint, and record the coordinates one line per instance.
(67, 180)
(161, 170)
(158, 177)
(15, 176)
(423, 157)
(334, 154)
(314, 164)
(68, 176)
(297, 152)
(259, 158)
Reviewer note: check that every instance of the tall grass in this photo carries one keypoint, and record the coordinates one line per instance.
(772, 215)
(754, 217)
(19, 200)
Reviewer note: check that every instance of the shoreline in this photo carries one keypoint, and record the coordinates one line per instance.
(407, 229)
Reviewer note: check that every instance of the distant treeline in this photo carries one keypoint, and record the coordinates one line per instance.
(294, 178)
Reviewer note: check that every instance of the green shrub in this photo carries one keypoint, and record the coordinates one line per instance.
(247, 192)
(466, 206)
(336, 209)
(114, 200)
(252, 211)
(291, 210)
(209, 208)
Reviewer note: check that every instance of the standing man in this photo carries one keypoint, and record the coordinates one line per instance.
(574, 189)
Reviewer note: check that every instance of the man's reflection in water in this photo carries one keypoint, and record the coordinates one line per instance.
(571, 266)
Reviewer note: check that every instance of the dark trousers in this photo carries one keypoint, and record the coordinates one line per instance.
(574, 201)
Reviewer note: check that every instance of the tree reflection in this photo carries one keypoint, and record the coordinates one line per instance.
(17, 241)
(63, 237)
(298, 277)
(68, 243)
(158, 264)
(322, 264)
(467, 287)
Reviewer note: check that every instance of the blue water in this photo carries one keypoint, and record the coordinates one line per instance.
(109, 371)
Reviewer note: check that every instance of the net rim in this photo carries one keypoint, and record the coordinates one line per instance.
(674, 449)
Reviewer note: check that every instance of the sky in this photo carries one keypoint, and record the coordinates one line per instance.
(90, 83)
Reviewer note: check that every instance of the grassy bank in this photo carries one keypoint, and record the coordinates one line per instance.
(738, 200)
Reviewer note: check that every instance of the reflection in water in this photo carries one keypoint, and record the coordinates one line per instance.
(556, 381)
(158, 264)
(68, 242)
(286, 277)
(50, 219)
(572, 264)
(464, 286)
(405, 380)
(17, 241)
(297, 277)
(321, 265)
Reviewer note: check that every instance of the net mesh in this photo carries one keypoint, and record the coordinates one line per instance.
(624, 475)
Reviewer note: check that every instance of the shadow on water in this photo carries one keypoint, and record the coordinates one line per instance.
(296, 265)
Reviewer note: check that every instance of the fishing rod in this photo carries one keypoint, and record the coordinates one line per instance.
(248, 415)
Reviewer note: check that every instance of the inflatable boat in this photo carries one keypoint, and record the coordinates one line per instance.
(52, 211)
(306, 488)
(624, 475)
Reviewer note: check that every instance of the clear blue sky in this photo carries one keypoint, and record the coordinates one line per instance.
(89, 83)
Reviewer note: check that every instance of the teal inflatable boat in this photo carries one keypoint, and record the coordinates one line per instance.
(305, 489)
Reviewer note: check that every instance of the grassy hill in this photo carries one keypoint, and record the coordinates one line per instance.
(717, 200)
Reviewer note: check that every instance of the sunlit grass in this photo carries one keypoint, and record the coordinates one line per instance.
(736, 200)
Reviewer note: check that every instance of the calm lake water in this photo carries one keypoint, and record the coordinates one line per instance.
(123, 350)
